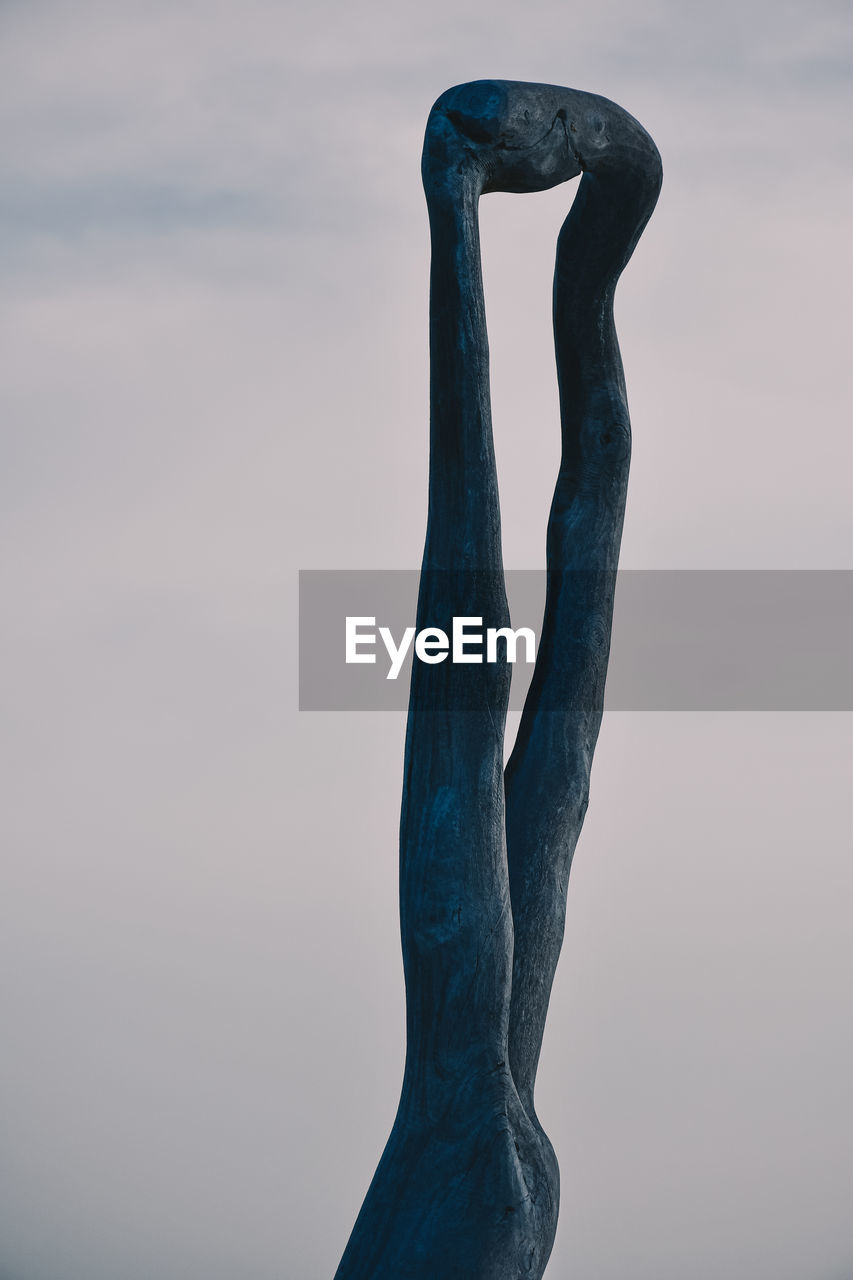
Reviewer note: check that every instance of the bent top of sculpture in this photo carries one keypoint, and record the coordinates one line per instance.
(529, 137)
(468, 1184)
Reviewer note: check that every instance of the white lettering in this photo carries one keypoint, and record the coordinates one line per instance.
(460, 639)
(431, 645)
(354, 639)
(512, 638)
(397, 655)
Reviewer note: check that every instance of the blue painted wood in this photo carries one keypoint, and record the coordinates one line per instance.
(468, 1185)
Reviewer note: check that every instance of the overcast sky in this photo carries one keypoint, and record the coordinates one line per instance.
(214, 327)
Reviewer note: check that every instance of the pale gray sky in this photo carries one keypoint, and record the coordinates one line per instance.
(214, 305)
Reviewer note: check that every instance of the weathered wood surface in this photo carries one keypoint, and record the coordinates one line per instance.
(468, 1185)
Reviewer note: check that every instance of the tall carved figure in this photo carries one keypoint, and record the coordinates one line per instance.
(468, 1185)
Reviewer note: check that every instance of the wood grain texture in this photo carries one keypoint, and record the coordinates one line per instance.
(468, 1185)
